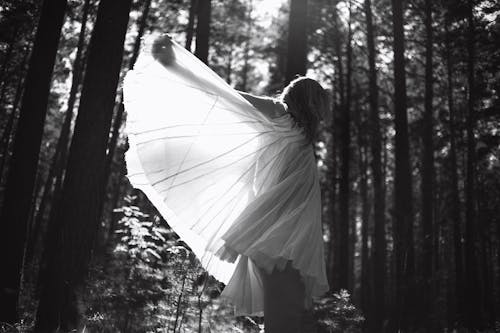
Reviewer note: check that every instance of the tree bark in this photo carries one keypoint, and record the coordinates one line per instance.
(23, 165)
(472, 300)
(427, 181)
(77, 220)
(246, 50)
(296, 62)
(193, 8)
(338, 108)
(57, 164)
(379, 248)
(365, 210)
(344, 185)
(203, 30)
(403, 208)
(118, 120)
(455, 205)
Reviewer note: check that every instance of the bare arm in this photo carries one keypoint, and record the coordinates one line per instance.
(267, 105)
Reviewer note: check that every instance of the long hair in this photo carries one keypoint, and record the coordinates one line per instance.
(307, 102)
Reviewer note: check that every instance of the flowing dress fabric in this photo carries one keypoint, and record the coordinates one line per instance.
(241, 189)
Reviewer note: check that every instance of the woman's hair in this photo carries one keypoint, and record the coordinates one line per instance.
(307, 102)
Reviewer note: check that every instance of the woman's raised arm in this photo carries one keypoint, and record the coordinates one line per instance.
(267, 105)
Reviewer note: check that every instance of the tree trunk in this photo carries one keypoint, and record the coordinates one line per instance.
(203, 30)
(77, 220)
(365, 211)
(23, 165)
(296, 61)
(403, 208)
(471, 269)
(427, 181)
(455, 205)
(333, 213)
(6, 134)
(143, 23)
(193, 8)
(338, 238)
(57, 164)
(379, 248)
(344, 185)
(246, 50)
(4, 75)
(117, 123)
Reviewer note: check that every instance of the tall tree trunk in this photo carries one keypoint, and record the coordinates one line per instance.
(143, 24)
(403, 208)
(4, 75)
(78, 215)
(57, 163)
(333, 213)
(379, 248)
(471, 269)
(455, 205)
(7, 132)
(193, 8)
(365, 210)
(344, 185)
(23, 165)
(338, 108)
(203, 30)
(427, 182)
(117, 123)
(296, 61)
(246, 50)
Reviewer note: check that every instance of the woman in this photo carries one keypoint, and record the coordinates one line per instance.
(234, 175)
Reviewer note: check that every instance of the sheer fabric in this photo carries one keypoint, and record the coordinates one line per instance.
(241, 189)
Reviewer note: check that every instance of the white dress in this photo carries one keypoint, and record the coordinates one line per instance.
(239, 188)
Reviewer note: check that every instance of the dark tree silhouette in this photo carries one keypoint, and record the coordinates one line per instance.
(427, 182)
(297, 40)
(471, 238)
(193, 8)
(22, 171)
(203, 29)
(77, 219)
(56, 170)
(379, 249)
(455, 206)
(403, 207)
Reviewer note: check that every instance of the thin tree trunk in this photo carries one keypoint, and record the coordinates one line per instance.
(203, 30)
(179, 300)
(365, 210)
(333, 213)
(379, 248)
(4, 75)
(344, 185)
(403, 208)
(23, 165)
(246, 50)
(77, 220)
(296, 62)
(6, 135)
(427, 182)
(455, 207)
(193, 8)
(472, 297)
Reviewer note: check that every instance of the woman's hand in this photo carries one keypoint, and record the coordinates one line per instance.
(162, 50)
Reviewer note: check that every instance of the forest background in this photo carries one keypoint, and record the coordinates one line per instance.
(409, 164)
